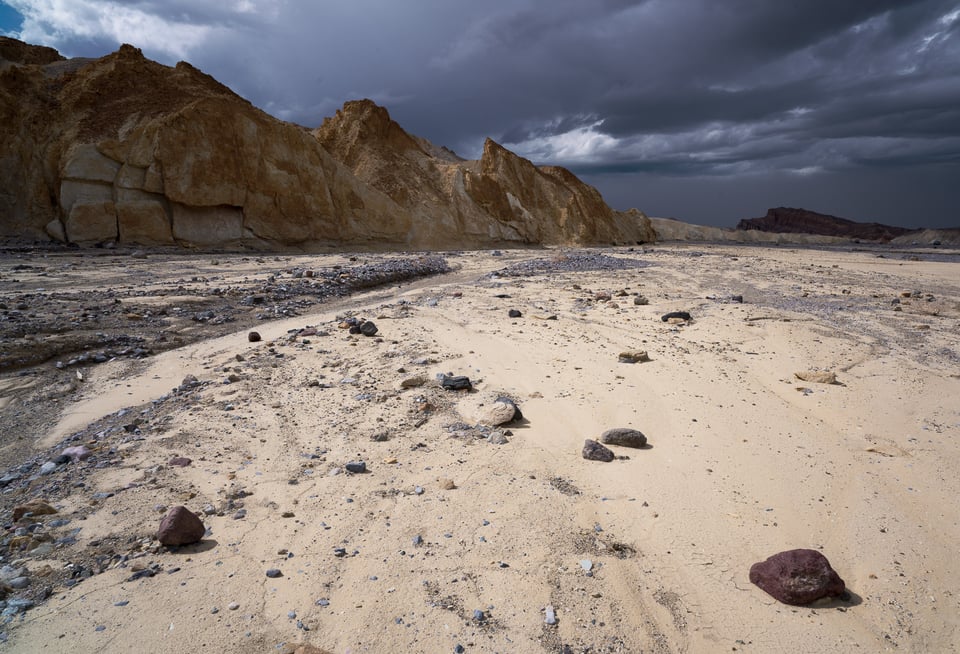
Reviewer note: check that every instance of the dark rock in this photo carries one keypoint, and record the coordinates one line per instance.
(253, 337)
(180, 461)
(514, 313)
(354, 329)
(274, 573)
(594, 451)
(736, 298)
(639, 300)
(456, 383)
(367, 328)
(142, 574)
(623, 436)
(180, 527)
(356, 467)
(787, 220)
(682, 315)
(797, 577)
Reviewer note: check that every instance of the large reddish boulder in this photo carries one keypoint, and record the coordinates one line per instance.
(797, 577)
(180, 527)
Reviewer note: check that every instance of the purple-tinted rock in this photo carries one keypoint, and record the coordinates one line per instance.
(797, 577)
(594, 451)
(180, 527)
(180, 461)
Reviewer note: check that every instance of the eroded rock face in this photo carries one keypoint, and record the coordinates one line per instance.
(797, 577)
(124, 149)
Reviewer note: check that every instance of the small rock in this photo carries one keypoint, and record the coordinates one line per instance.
(35, 508)
(367, 328)
(677, 315)
(356, 467)
(274, 573)
(586, 565)
(497, 438)
(500, 412)
(624, 437)
(180, 527)
(456, 383)
(179, 461)
(412, 382)
(514, 313)
(594, 451)
(19, 583)
(233, 606)
(48, 468)
(77, 453)
(253, 337)
(817, 376)
(446, 484)
(634, 356)
(639, 300)
(737, 299)
(797, 577)
(549, 615)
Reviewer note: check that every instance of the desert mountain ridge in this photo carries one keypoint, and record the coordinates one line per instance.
(122, 149)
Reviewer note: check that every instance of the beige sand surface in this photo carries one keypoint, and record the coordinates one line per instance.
(745, 460)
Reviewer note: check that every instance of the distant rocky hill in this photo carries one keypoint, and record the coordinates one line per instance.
(122, 149)
(786, 220)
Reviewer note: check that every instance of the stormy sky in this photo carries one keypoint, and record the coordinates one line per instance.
(702, 110)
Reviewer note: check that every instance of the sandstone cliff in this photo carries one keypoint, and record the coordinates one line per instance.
(123, 149)
(501, 197)
(801, 221)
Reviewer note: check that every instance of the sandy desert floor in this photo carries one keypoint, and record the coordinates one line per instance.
(462, 536)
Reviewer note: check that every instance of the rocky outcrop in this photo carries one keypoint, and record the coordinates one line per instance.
(786, 220)
(501, 198)
(123, 149)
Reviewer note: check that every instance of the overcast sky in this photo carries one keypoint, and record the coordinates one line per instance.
(704, 110)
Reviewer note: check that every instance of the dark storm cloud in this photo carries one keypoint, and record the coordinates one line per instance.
(691, 94)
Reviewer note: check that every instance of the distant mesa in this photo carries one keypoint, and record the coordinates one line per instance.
(786, 220)
(122, 149)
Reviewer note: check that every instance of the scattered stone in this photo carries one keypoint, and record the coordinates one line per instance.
(356, 467)
(446, 484)
(623, 436)
(77, 453)
(514, 313)
(677, 315)
(367, 328)
(253, 337)
(19, 583)
(817, 376)
(180, 527)
(594, 451)
(34, 508)
(549, 615)
(48, 468)
(274, 573)
(640, 300)
(179, 461)
(797, 577)
(634, 356)
(586, 565)
(500, 412)
(413, 382)
(497, 437)
(738, 299)
(233, 606)
(456, 383)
